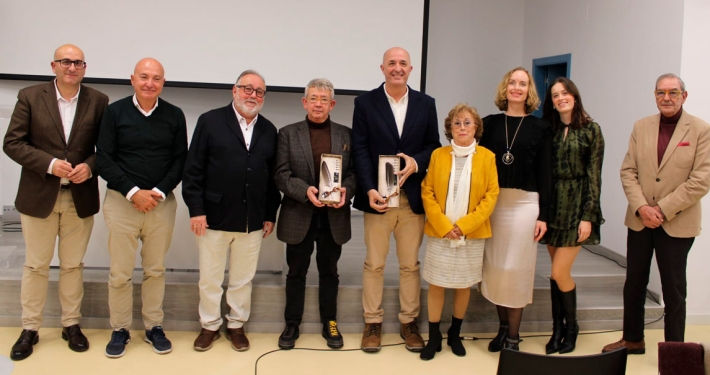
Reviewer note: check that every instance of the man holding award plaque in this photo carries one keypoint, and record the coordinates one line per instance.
(315, 172)
(394, 133)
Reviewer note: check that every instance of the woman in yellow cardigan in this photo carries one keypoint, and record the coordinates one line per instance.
(459, 193)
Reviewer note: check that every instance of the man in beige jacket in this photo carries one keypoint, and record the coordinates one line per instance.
(665, 173)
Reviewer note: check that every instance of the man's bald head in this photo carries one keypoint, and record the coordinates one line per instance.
(149, 63)
(396, 67)
(147, 80)
(61, 51)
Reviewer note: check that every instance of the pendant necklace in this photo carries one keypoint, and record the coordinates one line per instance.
(508, 157)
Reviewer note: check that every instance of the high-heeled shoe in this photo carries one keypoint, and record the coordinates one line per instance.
(497, 343)
(434, 344)
(454, 337)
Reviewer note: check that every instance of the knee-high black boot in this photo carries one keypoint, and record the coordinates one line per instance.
(434, 343)
(569, 304)
(558, 324)
(454, 337)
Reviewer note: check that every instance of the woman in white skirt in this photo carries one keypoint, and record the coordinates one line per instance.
(523, 148)
(459, 193)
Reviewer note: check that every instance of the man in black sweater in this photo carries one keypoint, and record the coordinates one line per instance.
(140, 153)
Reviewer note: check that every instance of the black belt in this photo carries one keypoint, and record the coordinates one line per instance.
(64, 186)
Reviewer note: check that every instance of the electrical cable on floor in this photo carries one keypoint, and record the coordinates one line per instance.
(464, 338)
(474, 338)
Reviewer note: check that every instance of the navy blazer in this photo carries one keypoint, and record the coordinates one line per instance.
(226, 181)
(375, 133)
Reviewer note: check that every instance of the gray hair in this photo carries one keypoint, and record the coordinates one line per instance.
(321, 84)
(670, 75)
(249, 72)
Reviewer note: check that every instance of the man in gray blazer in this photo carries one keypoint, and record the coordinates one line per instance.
(52, 134)
(304, 219)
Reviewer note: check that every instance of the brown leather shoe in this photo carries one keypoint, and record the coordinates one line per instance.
(23, 347)
(372, 338)
(632, 347)
(204, 341)
(238, 338)
(413, 341)
(77, 341)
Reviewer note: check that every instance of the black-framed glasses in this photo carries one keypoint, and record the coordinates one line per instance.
(66, 63)
(673, 94)
(250, 90)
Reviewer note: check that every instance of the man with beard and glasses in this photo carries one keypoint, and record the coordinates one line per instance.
(140, 153)
(227, 187)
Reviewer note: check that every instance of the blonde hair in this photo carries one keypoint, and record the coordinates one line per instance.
(531, 102)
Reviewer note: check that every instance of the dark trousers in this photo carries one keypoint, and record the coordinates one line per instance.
(298, 258)
(672, 258)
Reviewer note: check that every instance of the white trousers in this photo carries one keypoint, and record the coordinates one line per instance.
(242, 249)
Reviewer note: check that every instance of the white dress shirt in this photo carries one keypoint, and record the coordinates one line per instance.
(399, 109)
(67, 111)
(247, 128)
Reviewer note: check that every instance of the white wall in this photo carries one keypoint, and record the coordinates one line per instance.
(472, 44)
(693, 70)
(281, 108)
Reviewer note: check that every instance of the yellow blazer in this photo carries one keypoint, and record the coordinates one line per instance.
(483, 195)
(678, 183)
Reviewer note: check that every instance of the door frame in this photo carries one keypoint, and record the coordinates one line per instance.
(539, 65)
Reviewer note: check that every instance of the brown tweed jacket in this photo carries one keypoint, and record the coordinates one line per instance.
(295, 172)
(36, 135)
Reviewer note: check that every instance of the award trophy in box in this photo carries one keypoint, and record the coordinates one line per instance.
(330, 178)
(387, 181)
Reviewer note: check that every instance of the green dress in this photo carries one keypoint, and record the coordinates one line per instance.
(576, 172)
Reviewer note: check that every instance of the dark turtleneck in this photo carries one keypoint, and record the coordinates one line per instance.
(665, 132)
(320, 142)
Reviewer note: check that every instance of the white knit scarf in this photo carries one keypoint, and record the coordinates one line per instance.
(457, 201)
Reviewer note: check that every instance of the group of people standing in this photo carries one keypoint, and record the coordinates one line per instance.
(506, 182)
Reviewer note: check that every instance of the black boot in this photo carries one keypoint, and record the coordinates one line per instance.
(434, 343)
(497, 343)
(454, 337)
(558, 315)
(512, 343)
(569, 304)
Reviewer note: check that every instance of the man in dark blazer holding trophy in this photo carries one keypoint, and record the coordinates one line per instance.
(393, 119)
(309, 215)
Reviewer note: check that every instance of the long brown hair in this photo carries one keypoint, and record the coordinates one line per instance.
(580, 117)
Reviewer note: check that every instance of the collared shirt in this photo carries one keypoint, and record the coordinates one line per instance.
(247, 128)
(146, 114)
(399, 109)
(135, 189)
(67, 111)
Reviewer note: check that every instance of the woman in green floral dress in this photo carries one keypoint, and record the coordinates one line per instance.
(575, 212)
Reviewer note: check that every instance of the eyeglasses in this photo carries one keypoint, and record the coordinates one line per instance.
(323, 100)
(466, 124)
(673, 94)
(66, 63)
(250, 90)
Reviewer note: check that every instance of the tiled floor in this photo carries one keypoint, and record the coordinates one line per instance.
(53, 357)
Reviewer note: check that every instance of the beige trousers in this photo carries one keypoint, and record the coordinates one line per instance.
(242, 249)
(408, 229)
(40, 239)
(126, 226)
